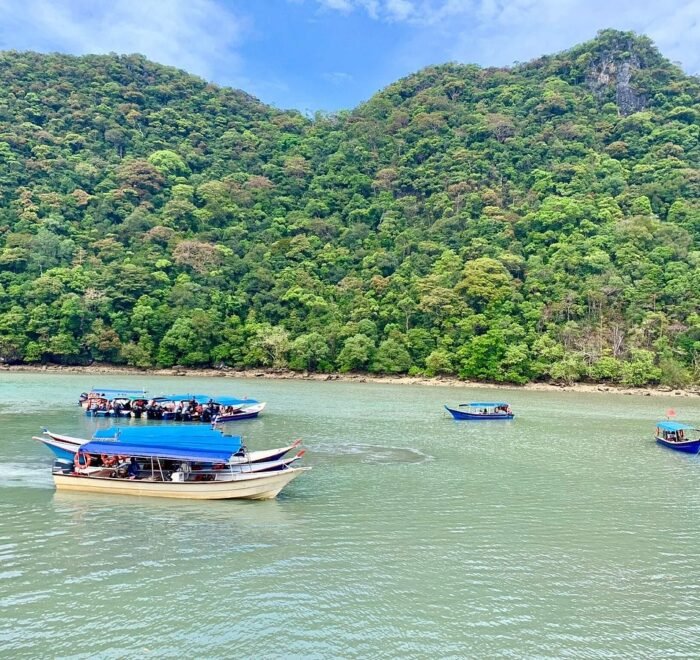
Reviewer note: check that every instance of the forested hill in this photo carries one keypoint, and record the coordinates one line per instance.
(535, 222)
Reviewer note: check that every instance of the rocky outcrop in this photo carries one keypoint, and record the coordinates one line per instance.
(609, 73)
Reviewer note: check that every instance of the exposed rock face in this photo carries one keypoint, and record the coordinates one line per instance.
(607, 72)
(628, 101)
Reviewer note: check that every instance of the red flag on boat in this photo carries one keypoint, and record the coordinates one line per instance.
(670, 413)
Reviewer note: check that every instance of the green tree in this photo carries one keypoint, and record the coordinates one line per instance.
(356, 353)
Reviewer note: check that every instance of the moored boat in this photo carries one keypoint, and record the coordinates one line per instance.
(110, 402)
(257, 486)
(479, 410)
(678, 436)
(173, 471)
(234, 412)
(201, 408)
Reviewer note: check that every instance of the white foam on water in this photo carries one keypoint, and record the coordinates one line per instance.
(25, 474)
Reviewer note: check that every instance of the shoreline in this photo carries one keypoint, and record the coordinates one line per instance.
(285, 374)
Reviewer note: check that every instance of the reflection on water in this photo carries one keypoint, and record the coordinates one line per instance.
(566, 532)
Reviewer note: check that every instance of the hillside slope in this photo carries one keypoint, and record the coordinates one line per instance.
(513, 224)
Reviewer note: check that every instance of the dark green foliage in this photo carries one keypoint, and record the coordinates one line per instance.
(540, 222)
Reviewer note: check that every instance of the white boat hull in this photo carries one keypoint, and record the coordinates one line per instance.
(255, 486)
(244, 412)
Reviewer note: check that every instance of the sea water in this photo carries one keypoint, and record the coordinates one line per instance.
(565, 533)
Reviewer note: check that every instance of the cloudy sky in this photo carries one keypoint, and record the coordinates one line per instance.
(332, 54)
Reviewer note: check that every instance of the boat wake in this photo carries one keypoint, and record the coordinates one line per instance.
(374, 453)
(25, 475)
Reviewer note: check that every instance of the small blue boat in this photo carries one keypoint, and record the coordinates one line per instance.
(675, 436)
(482, 410)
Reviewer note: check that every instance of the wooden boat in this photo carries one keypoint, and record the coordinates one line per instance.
(481, 410)
(240, 412)
(202, 408)
(109, 402)
(675, 435)
(64, 447)
(107, 393)
(254, 486)
(174, 471)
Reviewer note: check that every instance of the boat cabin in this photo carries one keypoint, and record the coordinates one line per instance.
(107, 459)
(676, 432)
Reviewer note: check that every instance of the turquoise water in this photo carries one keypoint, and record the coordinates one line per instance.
(565, 533)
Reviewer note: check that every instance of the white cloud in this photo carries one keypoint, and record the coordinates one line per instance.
(400, 10)
(340, 5)
(337, 77)
(196, 35)
(499, 32)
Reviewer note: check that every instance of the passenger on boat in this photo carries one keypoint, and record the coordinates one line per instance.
(132, 471)
(108, 461)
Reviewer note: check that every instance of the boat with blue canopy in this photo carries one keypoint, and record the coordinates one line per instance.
(64, 447)
(170, 433)
(202, 408)
(220, 451)
(169, 470)
(678, 436)
(482, 410)
(112, 402)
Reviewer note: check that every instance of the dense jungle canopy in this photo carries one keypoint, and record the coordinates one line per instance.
(503, 224)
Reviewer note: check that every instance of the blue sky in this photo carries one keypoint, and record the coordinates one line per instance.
(333, 54)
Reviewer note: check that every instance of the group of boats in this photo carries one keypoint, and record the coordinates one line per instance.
(672, 434)
(199, 461)
(109, 402)
(174, 459)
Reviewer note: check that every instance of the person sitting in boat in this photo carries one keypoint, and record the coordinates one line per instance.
(132, 471)
(108, 461)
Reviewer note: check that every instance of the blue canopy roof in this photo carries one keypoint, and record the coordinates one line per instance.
(205, 398)
(482, 404)
(222, 452)
(181, 434)
(674, 426)
(199, 398)
(112, 391)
